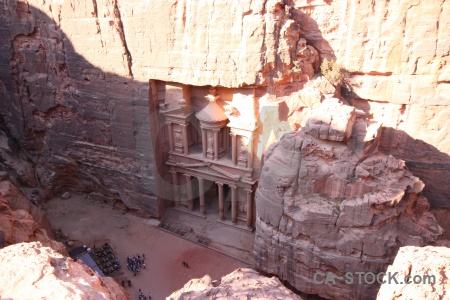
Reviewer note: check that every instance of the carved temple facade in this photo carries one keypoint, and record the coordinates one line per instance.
(209, 137)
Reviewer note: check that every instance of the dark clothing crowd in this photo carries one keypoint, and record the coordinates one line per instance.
(135, 263)
(142, 296)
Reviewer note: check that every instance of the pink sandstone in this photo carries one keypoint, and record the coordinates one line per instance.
(240, 284)
(336, 207)
(35, 271)
(75, 78)
(428, 269)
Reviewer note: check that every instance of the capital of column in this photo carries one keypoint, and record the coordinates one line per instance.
(249, 191)
(183, 125)
(215, 130)
(219, 183)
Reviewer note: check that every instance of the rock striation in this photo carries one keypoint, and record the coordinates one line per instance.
(50, 275)
(426, 269)
(75, 78)
(22, 220)
(239, 284)
(37, 266)
(397, 55)
(330, 207)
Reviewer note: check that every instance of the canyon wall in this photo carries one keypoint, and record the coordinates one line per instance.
(398, 56)
(69, 99)
(75, 94)
(330, 204)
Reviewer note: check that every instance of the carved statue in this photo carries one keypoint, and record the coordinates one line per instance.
(210, 143)
(243, 148)
(243, 151)
(178, 138)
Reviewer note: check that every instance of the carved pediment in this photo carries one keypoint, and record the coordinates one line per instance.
(208, 168)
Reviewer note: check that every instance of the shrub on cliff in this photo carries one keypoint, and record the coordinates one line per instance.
(333, 72)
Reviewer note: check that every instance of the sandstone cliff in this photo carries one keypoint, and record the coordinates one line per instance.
(421, 273)
(33, 265)
(33, 271)
(240, 284)
(329, 203)
(74, 78)
(21, 220)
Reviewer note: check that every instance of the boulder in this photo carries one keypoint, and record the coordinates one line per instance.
(331, 206)
(242, 283)
(50, 275)
(417, 273)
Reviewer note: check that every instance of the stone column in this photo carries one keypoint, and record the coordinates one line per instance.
(249, 208)
(250, 152)
(225, 139)
(204, 142)
(190, 196)
(194, 134)
(234, 205)
(201, 187)
(185, 139)
(170, 131)
(216, 144)
(176, 194)
(221, 212)
(233, 148)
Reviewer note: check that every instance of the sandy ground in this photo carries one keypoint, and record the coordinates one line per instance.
(88, 222)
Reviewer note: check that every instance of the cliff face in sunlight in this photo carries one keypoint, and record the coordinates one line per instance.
(241, 283)
(398, 55)
(75, 93)
(35, 264)
(51, 275)
(330, 205)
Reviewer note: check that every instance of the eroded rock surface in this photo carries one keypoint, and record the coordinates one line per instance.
(74, 78)
(427, 270)
(22, 220)
(240, 284)
(326, 206)
(34, 271)
(33, 264)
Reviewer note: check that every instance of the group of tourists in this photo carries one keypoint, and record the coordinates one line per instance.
(135, 263)
(142, 296)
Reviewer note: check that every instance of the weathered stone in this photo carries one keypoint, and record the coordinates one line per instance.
(239, 284)
(4, 175)
(15, 200)
(332, 121)
(66, 195)
(341, 207)
(417, 273)
(74, 79)
(49, 274)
